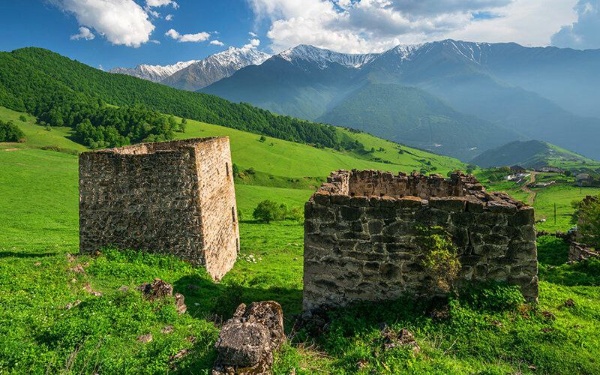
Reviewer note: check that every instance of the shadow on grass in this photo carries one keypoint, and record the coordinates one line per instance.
(552, 251)
(13, 254)
(216, 302)
(553, 255)
(287, 221)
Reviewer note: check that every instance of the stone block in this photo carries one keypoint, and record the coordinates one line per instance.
(242, 344)
(501, 206)
(322, 198)
(348, 213)
(524, 216)
(360, 202)
(448, 204)
(247, 341)
(409, 202)
(375, 227)
(339, 199)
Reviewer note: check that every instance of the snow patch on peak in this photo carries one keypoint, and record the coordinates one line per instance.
(154, 73)
(215, 67)
(238, 57)
(324, 58)
(405, 52)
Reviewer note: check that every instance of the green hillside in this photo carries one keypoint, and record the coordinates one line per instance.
(534, 154)
(60, 91)
(411, 116)
(271, 156)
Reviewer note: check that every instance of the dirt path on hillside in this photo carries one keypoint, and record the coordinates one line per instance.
(525, 188)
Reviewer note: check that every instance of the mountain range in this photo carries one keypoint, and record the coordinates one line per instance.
(154, 73)
(451, 97)
(485, 94)
(196, 74)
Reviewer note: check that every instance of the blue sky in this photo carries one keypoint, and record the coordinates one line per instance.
(110, 33)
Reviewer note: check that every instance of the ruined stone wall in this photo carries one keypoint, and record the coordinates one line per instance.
(364, 236)
(158, 197)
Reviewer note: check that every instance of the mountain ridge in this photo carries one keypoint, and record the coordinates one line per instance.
(214, 68)
(195, 74)
(475, 79)
(533, 154)
(154, 73)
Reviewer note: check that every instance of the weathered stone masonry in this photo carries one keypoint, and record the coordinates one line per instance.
(171, 197)
(362, 236)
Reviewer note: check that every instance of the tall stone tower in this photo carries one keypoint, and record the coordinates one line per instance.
(170, 197)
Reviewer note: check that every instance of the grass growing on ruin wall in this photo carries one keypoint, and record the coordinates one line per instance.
(65, 313)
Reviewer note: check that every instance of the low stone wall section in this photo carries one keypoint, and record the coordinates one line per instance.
(364, 233)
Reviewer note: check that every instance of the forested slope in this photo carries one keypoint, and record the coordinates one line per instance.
(60, 91)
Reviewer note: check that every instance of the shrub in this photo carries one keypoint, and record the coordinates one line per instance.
(587, 218)
(9, 132)
(267, 211)
(493, 296)
(441, 258)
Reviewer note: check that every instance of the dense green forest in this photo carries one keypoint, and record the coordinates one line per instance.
(63, 92)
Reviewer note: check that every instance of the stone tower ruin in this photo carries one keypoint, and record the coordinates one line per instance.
(364, 233)
(171, 197)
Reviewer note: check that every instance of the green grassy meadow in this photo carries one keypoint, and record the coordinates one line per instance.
(283, 158)
(64, 313)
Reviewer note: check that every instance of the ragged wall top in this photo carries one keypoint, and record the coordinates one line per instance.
(365, 233)
(161, 197)
(378, 184)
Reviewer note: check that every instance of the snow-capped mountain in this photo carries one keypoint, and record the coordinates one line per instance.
(214, 68)
(323, 58)
(498, 89)
(154, 73)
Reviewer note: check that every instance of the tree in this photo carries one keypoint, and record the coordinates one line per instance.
(471, 168)
(267, 211)
(9, 132)
(587, 217)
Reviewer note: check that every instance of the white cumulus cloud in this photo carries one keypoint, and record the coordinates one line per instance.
(374, 25)
(528, 22)
(169, 17)
(198, 37)
(121, 22)
(584, 33)
(84, 33)
(161, 3)
(217, 43)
